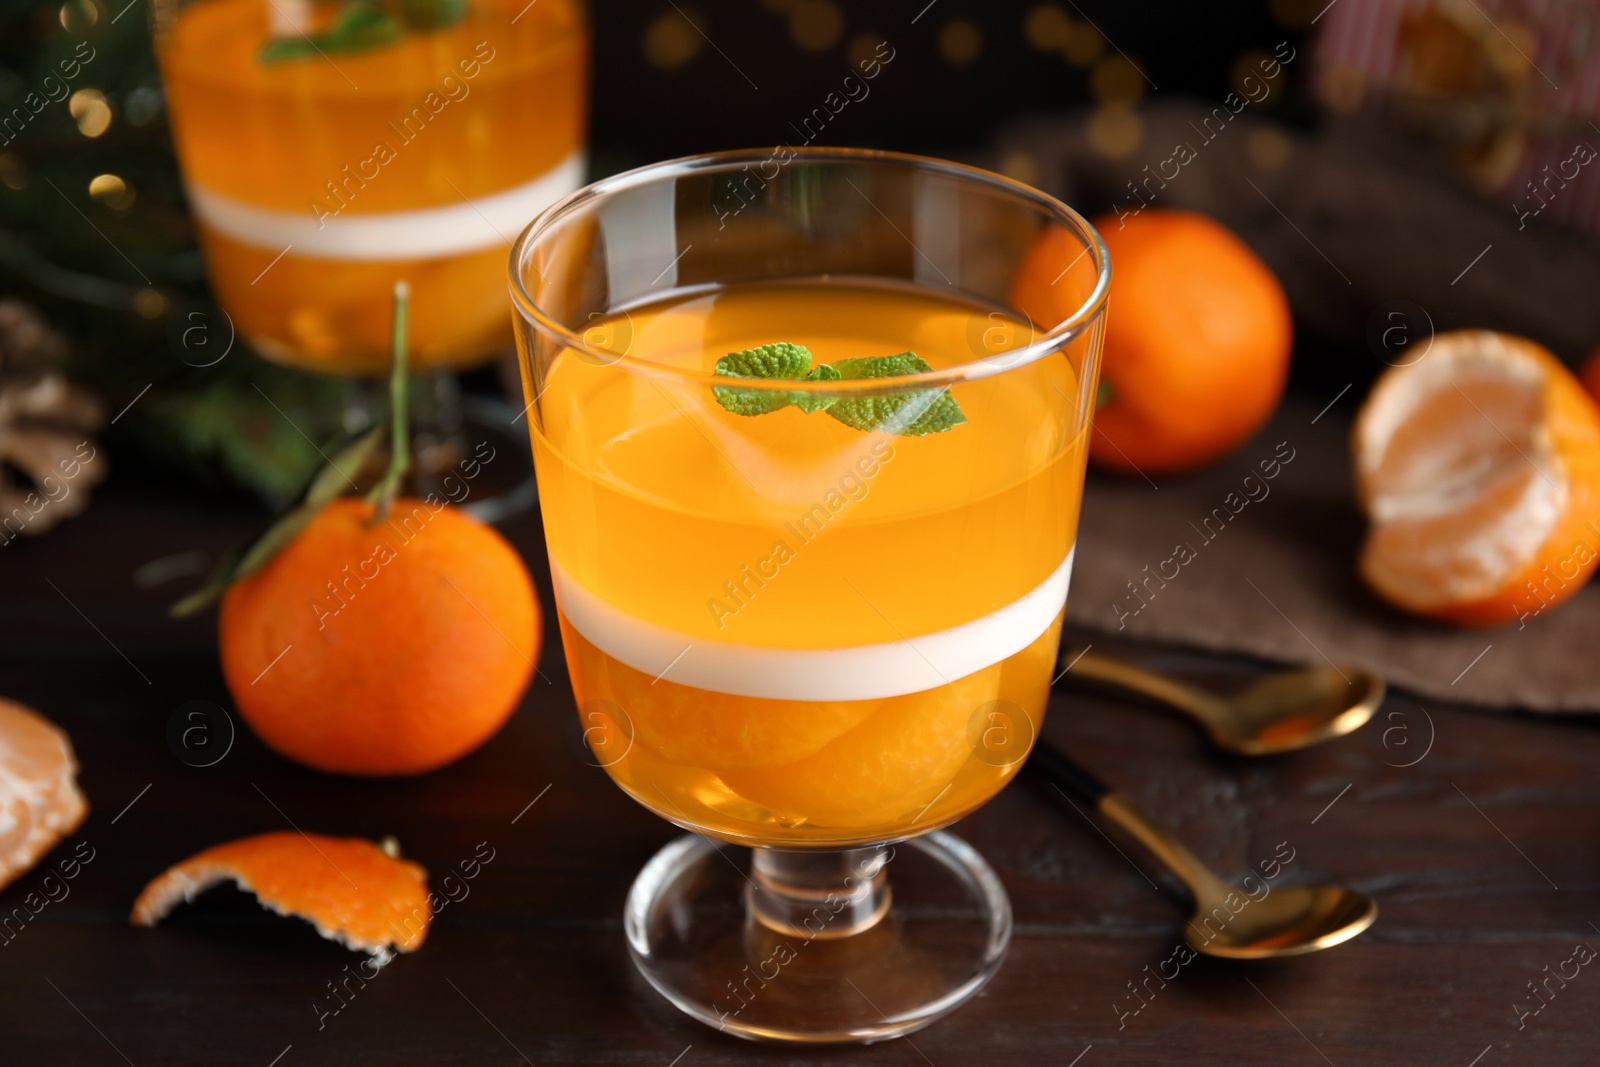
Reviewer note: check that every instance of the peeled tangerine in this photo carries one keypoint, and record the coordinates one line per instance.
(40, 802)
(1479, 466)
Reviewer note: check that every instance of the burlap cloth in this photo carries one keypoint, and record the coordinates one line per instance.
(1278, 579)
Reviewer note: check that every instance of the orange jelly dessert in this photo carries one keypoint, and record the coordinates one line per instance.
(321, 179)
(782, 628)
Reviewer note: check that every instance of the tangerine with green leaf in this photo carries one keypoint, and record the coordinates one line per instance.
(381, 635)
(381, 647)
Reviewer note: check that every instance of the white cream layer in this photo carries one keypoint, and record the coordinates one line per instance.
(470, 226)
(860, 672)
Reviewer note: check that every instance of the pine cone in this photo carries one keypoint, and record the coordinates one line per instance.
(48, 457)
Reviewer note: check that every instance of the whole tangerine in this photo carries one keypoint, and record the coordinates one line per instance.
(1197, 343)
(381, 648)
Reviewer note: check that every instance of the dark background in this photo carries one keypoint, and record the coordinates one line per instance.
(1464, 845)
(932, 99)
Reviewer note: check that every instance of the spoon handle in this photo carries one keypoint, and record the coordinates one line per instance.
(1064, 772)
(1073, 779)
(1109, 670)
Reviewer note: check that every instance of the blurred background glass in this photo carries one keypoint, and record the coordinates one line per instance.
(321, 169)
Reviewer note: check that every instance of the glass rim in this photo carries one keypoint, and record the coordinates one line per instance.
(732, 159)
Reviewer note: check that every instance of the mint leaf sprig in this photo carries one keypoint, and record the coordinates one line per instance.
(910, 414)
(363, 24)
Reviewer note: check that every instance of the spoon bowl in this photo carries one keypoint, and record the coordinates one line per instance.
(1297, 709)
(1289, 921)
(1285, 711)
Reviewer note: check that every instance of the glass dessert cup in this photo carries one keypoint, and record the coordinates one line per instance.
(322, 173)
(813, 615)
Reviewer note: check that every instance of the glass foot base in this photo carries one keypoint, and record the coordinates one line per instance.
(481, 462)
(942, 934)
(467, 450)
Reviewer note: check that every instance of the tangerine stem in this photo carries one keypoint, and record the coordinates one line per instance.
(384, 492)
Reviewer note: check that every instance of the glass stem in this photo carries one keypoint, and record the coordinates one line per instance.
(449, 413)
(819, 895)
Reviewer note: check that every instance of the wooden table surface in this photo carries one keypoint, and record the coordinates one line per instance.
(1479, 835)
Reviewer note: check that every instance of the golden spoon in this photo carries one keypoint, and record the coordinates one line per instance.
(1227, 922)
(1282, 712)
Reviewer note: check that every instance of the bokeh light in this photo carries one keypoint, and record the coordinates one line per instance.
(1341, 87)
(143, 105)
(863, 48)
(1248, 75)
(1115, 80)
(112, 191)
(150, 303)
(1268, 148)
(76, 16)
(90, 111)
(960, 42)
(815, 25)
(1084, 46)
(1021, 166)
(1047, 27)
(1115, 130)
(672, 40)
(13, 171)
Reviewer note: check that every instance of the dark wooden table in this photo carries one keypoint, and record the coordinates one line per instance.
(1484, 855)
